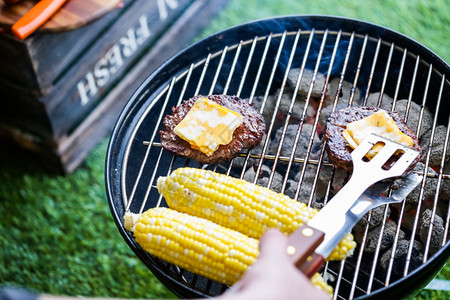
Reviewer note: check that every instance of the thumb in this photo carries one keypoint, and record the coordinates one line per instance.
(273, 243)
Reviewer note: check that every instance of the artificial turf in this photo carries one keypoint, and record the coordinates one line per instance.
(58, 236)
(57, 233)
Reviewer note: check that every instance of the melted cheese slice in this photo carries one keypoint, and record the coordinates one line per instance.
(208, 125)
(379, 123)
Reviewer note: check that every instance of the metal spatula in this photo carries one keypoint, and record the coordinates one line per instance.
(310, 243)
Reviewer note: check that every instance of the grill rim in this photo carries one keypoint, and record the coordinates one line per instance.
(159, 80)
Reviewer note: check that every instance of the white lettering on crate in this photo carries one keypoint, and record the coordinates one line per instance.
(115, 57)
(113, 60)
(163, 13)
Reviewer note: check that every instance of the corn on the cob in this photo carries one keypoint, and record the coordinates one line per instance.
(198, 245)
(239, 205)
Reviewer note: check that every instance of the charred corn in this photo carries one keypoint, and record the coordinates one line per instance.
(239, 205)
(198, 245)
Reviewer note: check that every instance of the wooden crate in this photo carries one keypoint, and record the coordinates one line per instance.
(62, 91)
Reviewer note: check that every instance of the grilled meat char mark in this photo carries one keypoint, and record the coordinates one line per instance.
(247, 135)
(338, 149)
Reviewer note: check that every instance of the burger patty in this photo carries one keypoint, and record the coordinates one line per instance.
(339, 150)
(247, 135)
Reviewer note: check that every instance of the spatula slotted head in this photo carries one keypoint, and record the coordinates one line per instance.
(377, 166)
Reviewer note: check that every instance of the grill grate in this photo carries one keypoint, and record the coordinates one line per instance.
(259, 69)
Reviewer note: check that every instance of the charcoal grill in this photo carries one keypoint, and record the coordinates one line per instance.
(253, 61)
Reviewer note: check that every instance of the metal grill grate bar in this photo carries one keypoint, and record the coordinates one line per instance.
(233, 67)
(316, 121)
(130, 199)
(243, 79)
(400, 75)
(386, 72)
(358, 72)
(180, 99)
(441, 171)
(247, 66)
(300, 126)
(378, 248)
(402, 210)
(372, 71)
(366, 229)
(294, 95)
(338, 282)
(269, 85)
(436, 196)
(291, 106)
(258, 76)
(419, 204)
(219, 67)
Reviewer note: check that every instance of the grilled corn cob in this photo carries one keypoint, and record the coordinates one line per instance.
(198, 245)
(239, 205)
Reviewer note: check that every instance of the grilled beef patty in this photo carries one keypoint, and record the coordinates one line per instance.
(339, 150)
(248, 135)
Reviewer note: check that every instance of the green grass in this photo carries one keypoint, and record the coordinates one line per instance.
(57, 233)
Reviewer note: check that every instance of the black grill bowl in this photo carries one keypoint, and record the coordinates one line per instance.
(126, 174)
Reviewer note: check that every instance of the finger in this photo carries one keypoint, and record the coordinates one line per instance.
(272, 247)
(273, 243)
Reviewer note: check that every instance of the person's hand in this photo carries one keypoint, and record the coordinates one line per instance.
(273, 275)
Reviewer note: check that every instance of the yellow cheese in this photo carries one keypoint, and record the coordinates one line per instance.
(379, 123)
(208, 125)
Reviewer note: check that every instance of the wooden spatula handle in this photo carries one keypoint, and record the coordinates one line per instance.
(312, 265)
(301, 246)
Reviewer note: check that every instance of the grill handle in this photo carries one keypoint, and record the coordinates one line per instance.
(301, 245)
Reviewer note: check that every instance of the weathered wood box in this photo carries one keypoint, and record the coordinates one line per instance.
(61, 92)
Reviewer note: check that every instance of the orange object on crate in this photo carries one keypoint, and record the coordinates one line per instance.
(37, 16)
(69, 16)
